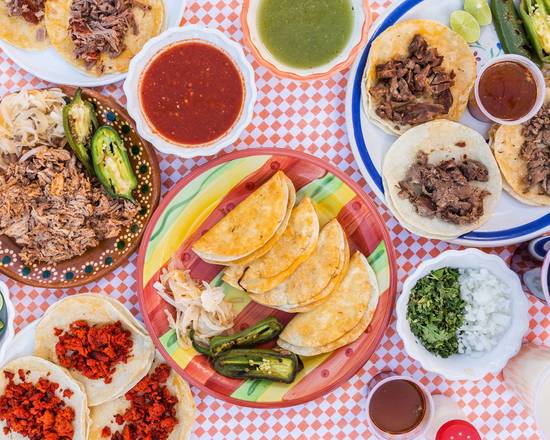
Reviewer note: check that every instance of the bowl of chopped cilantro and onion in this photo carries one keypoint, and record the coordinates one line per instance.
(462, 314)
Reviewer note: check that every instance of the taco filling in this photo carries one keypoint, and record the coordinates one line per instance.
(94, 351)
(535, 151)
(100, 26)
(31, 10)
(445, 190)
(152, 410)
(413, 89)
(35, 410)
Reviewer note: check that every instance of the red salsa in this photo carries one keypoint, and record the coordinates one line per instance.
(191, 93)
(508, 90)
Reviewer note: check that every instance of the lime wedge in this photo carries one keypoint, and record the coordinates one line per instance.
(1, 301)
(465, 25)
(480, 10)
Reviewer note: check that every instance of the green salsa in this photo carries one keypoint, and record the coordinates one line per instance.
(305, 33)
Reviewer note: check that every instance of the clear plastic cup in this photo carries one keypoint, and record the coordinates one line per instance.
(528, 376)
(419, 431)
(476, 107)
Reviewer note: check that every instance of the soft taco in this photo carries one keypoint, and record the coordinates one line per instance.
(252, 228)
(523, 156)
(294, 247)
(102, 36)
(102, 346)
(22, 24)
(159, 406)
(339, 320)
(315, 278)
(417, 71)
(441, 180)
(39, 399)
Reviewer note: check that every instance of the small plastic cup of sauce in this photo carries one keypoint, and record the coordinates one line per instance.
(509, 90)
(398, 407)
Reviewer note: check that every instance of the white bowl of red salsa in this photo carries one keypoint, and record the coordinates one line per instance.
(191, 91)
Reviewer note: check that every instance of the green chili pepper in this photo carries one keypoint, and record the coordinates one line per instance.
(111, 164)
(510, 29)
(261, 332)
(276, 365)
(79, 123)
(536, 19)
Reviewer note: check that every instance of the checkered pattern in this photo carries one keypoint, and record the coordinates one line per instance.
(307, 117)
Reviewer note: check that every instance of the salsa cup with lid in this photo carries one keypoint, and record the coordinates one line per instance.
(509, 90)
(308, 39)
(191, 91)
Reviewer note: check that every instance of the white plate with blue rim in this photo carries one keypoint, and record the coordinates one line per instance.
(50, 66)
(512, 222)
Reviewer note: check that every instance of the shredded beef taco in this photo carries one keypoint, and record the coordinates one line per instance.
(523, 156)
(417, 71)
(441, 180)
(39, 400)
(159, 407)
(103, 347)
(22, 24)
(102, 36)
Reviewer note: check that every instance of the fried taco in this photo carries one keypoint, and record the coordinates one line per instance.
(160, 406)
(339, 320)
(98, 341)
(40, 400)
(253, 227)
(102, 36)
(296, 244)
(441, 180)
(417, 71)
(523, 156)
(315, 278)
(22, 24)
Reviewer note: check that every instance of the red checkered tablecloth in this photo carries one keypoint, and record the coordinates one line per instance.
(307, 117)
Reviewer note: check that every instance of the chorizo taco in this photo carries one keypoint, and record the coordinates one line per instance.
(441, 180)
(417, 71)
(523, 156)
(102, 36)
(22, 24)
(102, 346)
(40, 400)
(160, 406)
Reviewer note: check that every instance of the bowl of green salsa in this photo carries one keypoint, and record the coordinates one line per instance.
(305, 39)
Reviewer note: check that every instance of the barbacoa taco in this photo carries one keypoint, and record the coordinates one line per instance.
(98, 341)
(417, 71)
(22, 24)
(102, 36)
(40, 400)
(523, 156)
(441, 180)
(160, 406)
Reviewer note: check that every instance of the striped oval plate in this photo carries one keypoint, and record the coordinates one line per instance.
(203, 197)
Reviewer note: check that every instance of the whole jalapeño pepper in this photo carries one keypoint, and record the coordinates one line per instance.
(111, 163)
(79, 123)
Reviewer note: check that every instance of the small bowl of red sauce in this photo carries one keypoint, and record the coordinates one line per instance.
(509, 90)
(191, 91)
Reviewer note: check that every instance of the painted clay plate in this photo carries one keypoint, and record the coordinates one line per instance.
(111, 253)
(202, 198)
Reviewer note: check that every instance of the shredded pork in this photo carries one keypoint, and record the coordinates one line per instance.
(413, 89)
(536, 151)
(100, 26)
(445, 190)
(53, 210)
(31, 10)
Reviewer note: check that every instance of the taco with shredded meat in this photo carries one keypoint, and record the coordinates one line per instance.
(102, 36)
(22, 24)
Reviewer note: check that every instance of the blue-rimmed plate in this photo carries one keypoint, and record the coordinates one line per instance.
(512, 222)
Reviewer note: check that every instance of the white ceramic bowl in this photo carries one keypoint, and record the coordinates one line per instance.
(176, 35)
(9, 332)
(476, 365)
